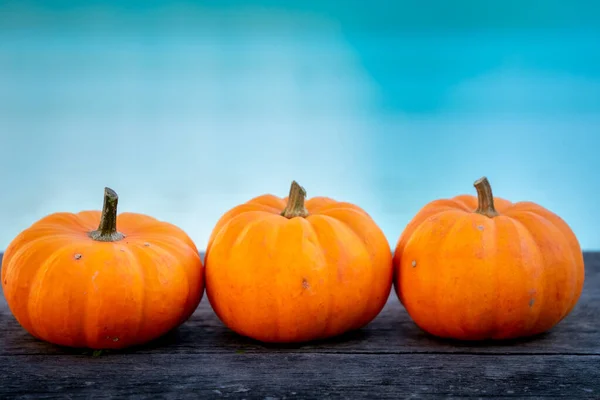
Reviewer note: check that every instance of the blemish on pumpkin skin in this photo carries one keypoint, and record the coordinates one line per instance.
(77, 256)
(414, 263)
(532, 293)
(147, 244)
(305, 284)
(480, 227)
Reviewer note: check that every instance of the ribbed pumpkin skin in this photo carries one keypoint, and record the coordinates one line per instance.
(67, 289)
(284, 280)
(467, 276)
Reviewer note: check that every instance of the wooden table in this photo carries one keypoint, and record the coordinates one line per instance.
(391, 358)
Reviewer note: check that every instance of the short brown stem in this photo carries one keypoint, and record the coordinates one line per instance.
(485, 198)
(107, 230)
(295, 205)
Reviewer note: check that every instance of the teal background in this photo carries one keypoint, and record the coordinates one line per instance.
(187, 109)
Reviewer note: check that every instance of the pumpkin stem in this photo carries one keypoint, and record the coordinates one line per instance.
(295, 205)
(485, 198)
(107, 230)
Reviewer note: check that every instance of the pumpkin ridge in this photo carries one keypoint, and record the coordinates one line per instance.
(135, 260)
(169, 245)
(373, 259)
(85, 221)
(128, 214)
(437, 213)
(499, 222)
(121, 259)
(572, 243)
(523, 229)
(82, 337)
(458, 223)
(422, 230)
(431, 217)
(431, 210)
(245, 231)
(571, 256)
(492, 225)
(55, 228)
(10, 259)
(56, 225)
(315, 235)
(325, 213)
(530, 206)
(438, 207)
(84, 332)
(167, 232)
(190, 303)
(9, 256)
(33, 299)
(462, 223)
(494, 328)
(160, 238)
(130, 231)
(323, 209)
(460, 202)
(232, 214)
(364, 239)
(154, 260)
(276, 229)
(227, 265)
(425, 213)
(316, 203)
(269, 201)
(546, 215)
(277, 237)
(53, 222)
(330, 297)
(334, 224)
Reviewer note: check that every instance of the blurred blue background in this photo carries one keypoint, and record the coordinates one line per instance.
(187, 109)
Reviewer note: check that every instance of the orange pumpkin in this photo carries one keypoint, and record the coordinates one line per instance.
(71, 284)
(476, 268)
(286, 270)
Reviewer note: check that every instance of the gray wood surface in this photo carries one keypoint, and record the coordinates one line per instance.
(390, 358)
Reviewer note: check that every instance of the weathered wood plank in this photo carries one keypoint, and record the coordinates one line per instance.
(391, 333)
(356, 376)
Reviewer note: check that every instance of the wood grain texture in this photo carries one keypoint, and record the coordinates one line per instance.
(390, 358)
(311, 375)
